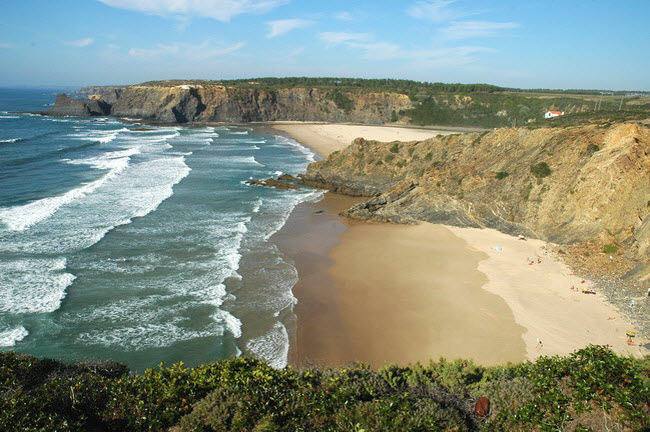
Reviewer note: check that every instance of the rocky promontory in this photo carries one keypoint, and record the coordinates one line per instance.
(67, 106)
(190, 103)
(564, 185)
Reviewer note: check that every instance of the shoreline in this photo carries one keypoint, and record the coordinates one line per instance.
(326, 138)
(346, 313)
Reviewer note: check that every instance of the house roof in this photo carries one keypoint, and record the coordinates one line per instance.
(556, 112)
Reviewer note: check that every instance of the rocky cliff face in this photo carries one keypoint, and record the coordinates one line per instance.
(562, 185)
(201, 103)
(67, 106)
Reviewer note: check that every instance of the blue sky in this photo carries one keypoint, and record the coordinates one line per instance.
(519, 43)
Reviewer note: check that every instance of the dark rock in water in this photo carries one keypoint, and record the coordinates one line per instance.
(67, 106)
(288, 177)
(273, 183)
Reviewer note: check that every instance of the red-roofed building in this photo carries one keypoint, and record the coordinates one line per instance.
(551, 114)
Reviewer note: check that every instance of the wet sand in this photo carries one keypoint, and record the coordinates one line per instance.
(389, 293)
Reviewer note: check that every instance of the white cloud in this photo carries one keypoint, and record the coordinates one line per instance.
(342, 37)
(470, 29)
(186, 51)
(435, 10)
(280, 27)
(7, 45)
(220, 10)
(378, 50)
(80, 43)
(343, 16)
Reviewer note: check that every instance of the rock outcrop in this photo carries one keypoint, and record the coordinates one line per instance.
(67, 106)
(563, 185)
(217, 103)
(278, 184)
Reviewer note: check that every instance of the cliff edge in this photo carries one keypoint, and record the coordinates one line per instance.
(564, 185)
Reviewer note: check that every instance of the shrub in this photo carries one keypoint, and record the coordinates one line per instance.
(610, 249)
(342, 101)
(389, 158)
(501, 175)
(394, 148)
(553, 393)
(540, 170)
(592, 148)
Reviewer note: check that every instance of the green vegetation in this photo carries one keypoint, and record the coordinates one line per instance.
(592, 148)
(584, 390)
(501, 175)
(389, 158)
(540, 170)
(610, 115)
(342, 101)
(394, 148)
(406, 86)
(610, 249)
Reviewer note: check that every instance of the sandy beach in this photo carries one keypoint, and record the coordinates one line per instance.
(327, 138)
(546, 297)
(391, 293)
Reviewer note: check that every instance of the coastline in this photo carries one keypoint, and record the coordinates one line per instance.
(325, 138)
(389, 293)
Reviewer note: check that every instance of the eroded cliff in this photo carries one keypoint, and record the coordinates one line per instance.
(562, 185)
(217, 103)
(340, 100)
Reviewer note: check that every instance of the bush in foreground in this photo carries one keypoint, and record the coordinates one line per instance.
(593, 389)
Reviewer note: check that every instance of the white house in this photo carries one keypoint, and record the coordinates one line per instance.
(551, 114)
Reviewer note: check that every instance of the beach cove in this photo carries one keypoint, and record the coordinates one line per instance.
(383, 293)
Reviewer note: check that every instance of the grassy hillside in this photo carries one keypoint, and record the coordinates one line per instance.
(593, 389)
(476, 105)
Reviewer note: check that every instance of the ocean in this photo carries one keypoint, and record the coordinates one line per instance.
(142, 244)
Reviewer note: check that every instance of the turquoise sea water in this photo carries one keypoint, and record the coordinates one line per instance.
(142, 244)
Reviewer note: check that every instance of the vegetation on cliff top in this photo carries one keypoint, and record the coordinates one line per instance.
(383, 84)
(472, 105)
(592, 389)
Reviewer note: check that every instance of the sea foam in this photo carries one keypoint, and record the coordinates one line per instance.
(10, 335)
(20, 218)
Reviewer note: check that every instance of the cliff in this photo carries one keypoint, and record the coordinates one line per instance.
(202, 103)
(565, 185)
(67, 106)
(344, 100)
